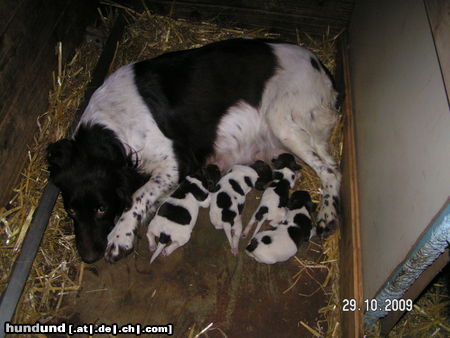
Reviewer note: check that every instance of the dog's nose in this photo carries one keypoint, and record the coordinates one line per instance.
(91, 256)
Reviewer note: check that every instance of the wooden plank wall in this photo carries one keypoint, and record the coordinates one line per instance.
(29, 32)
(279, 16)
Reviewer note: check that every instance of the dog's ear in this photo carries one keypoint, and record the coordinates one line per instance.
(59, 155)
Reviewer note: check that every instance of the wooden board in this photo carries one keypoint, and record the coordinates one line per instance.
(284, 17)
(350, 246)
(27, 58)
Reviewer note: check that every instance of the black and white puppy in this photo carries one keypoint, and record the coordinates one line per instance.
(281, 243)
(177, 216)
(227, 202)
(274, 200)
(154, 122)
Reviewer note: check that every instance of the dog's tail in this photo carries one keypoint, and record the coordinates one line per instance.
(158, 250)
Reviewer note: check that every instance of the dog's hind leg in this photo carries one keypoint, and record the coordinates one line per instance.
(306, 147)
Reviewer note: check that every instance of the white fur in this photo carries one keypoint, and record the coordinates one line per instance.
(271, 200)
(233, 232)
(180, 234)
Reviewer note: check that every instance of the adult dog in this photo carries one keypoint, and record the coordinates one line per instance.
(153, 122)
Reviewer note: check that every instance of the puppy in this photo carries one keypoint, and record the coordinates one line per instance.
(228, 199)
(176, 217)
(272, 206)
(280, 244)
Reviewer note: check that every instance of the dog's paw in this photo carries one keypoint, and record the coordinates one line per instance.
(328, 216)
(120, 244)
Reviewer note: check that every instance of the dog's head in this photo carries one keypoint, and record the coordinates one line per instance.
(264, 174)
(300, 199)
(97, 182)
(285, 160)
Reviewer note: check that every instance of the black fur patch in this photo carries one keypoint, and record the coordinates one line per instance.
(248, 181)
(175, 213)
(336, 203)
(198, 193)
(282, 190)
(264, 174)
(252, 246)
(223, 200)
(299, 199)
(298, 234)
(228, 216)
(189, 91)
(302, 220)
(164, 238)
(278, 175)
(266, 240)
(240, 208)
(261, 212)
(315, 64)
(236, 187)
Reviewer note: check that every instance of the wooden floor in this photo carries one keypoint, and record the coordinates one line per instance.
(202, 283)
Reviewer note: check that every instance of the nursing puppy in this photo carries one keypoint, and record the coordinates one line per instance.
(280, 244)
(274, 201)
(177, 216)
(228, 200)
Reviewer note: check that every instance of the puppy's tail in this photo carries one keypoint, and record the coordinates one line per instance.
(158, 250)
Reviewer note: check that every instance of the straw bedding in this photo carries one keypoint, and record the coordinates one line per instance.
(57, 269)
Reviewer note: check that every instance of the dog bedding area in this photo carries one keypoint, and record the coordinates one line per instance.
(203, 283)
(200, 283)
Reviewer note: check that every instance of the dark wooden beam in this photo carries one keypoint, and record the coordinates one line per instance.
(28, 37)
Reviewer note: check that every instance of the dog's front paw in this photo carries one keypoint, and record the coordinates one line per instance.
(120, 244)
(327, 218)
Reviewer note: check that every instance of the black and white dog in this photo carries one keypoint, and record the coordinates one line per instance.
(176, 217)
(280, 244)
(227, 202)
(274, 201)
(153, 122)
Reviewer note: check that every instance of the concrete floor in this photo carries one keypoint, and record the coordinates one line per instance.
(202, 283)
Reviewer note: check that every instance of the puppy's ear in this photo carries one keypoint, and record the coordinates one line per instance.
(59, 155)
(277, 163)
(264, 174)
(294, 166)
(311, 206)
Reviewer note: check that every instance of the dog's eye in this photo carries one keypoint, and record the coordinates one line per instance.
(100, 211)
(71, 212)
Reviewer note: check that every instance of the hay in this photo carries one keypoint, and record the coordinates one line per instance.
(430, 316)
(57, 269)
